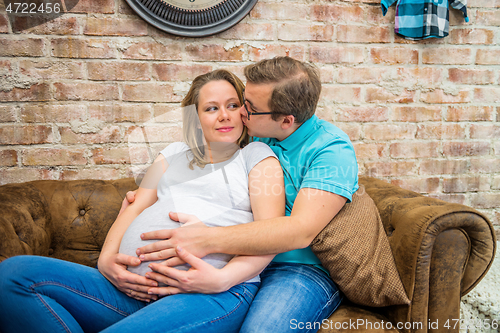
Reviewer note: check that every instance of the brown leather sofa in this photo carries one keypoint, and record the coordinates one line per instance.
(441, 250)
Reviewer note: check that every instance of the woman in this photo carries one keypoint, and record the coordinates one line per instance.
(63, 296)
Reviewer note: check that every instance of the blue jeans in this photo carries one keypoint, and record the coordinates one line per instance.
(39, 294)
(292, 298)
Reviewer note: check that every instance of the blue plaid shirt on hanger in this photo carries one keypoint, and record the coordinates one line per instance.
(420, 19)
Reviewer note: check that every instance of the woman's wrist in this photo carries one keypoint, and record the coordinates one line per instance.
(225, 280)
(104, 259)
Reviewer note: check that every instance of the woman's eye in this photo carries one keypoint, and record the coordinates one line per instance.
(233, 106)
(212, 108)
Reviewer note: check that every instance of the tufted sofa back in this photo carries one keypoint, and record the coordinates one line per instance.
(61, 219)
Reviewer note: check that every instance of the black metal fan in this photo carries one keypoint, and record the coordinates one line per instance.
(192, 18)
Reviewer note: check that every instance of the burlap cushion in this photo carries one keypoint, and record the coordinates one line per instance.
(354, 248)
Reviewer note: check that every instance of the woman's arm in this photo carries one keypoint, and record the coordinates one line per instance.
(112, 264)
(267, 199)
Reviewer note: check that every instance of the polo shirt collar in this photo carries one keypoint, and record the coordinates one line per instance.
(297, 138)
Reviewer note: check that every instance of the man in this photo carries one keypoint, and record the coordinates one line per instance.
(320, 172)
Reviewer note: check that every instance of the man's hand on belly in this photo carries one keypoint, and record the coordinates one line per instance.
(193, 237)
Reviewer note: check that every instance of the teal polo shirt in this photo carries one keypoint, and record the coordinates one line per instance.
(317, 155)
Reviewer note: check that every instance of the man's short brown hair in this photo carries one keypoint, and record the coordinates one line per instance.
(297, 86)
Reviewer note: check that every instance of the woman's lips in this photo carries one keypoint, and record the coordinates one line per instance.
(225, 129)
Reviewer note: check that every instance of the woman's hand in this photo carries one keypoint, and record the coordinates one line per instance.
(185, 219)
(114, 268)
(200, 278)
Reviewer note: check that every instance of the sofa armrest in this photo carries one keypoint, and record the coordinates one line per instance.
(442, 250)
(24, 221)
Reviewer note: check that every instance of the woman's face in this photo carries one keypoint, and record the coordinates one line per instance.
(219, 112)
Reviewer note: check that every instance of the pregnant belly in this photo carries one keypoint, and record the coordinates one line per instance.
(131, 240)
(150, 220)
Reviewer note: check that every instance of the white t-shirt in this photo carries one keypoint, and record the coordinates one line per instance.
(217, 194)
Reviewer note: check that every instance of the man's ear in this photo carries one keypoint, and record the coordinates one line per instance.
(287, 122)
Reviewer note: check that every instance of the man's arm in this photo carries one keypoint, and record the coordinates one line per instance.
(312, 211)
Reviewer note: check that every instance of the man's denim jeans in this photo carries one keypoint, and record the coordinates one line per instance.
(39, 294)
(292, 298)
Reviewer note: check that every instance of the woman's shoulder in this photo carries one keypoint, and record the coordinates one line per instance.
(174, 148)
(257, 146)
(255, 152)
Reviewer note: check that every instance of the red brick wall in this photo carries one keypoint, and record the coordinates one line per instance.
(78, 94)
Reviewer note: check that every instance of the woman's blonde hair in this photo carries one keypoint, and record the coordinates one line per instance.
(191, 129)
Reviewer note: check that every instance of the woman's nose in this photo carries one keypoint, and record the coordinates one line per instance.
(223, 113)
